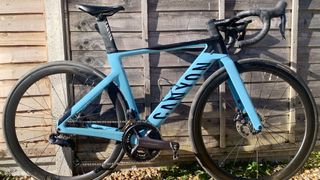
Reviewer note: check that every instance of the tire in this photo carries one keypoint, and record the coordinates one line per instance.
(289, 124)
(37, 101)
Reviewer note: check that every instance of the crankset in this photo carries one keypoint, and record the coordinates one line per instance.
(142, 142)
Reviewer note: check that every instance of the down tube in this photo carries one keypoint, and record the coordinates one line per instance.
(182, 87)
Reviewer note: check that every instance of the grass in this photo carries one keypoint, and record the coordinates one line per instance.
(184, 172)
(194, 171)
(313, 161)
(6, 175)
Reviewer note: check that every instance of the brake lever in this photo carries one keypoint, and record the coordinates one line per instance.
(282, 26)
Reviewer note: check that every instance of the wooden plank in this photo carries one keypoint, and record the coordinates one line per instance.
(275, 53)
(135, 76)
(310, 5)
(156, 38)
(39, 118)
(80, 21)
(315, 88)
(205, 5)
(99, 59)
(138, 93)
(309, 19)
(21, 7)
(6, 87)
(173, 21)
(130, 6)
(31, 104)
(19, 23)
(23, 39)
(257, 24)
(156, 96)
(182, 5)
(12, 72)
(172, 59)
(40, 88)
(252, 4)
(309, 38)
(33, 134)
(93, 41)
(273, 39)
(167, 76)
(22, 54)
(308, 71)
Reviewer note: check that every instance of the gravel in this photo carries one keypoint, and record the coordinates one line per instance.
(154, 173)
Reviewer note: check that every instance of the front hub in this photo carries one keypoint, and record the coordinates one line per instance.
(243, 124)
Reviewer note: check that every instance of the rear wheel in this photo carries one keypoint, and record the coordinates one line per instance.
(227, 147)
(39, 99)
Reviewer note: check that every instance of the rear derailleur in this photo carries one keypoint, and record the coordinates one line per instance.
(142, 142)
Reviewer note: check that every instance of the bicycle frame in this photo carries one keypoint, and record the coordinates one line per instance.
(173, 98)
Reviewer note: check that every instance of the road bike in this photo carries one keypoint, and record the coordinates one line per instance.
(250, 119)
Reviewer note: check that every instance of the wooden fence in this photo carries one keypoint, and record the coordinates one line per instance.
(148, 23)
(22, 47)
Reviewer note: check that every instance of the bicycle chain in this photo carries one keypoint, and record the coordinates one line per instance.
(118, 163)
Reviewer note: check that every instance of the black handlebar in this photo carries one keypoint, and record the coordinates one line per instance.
(265, 16)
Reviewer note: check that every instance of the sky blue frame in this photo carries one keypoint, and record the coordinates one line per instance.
(200, 65)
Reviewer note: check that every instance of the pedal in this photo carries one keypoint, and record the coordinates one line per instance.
(175, 149)
(161, 145)
(55, 139)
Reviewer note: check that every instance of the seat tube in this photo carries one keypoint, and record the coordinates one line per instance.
(239, 91)
(105, 31)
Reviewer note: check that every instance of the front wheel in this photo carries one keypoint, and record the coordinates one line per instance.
(222, 136)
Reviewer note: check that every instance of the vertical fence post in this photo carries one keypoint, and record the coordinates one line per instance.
(293, 65)
(222, 90)
(146, 66)
(56, 50)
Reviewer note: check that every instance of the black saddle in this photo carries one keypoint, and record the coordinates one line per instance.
(97, 10)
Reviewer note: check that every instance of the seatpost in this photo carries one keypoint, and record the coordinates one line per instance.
(104, 30)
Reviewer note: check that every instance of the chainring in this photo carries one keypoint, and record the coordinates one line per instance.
(131, 145)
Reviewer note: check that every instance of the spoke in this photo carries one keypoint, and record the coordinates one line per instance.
(280, 114)
(234, 163)
(36, 117)
(257, 157)
(63, 88)
(275, 126)
(60, 163)
(38, 102)
(42, 152)
(269, 131)
(229, 104)
(38, 130)
(266, 99)
(42, 96)
(232, 151)
(33, 137)
(54, 89)
(46, 112)
(263, 110)
(261, 89)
